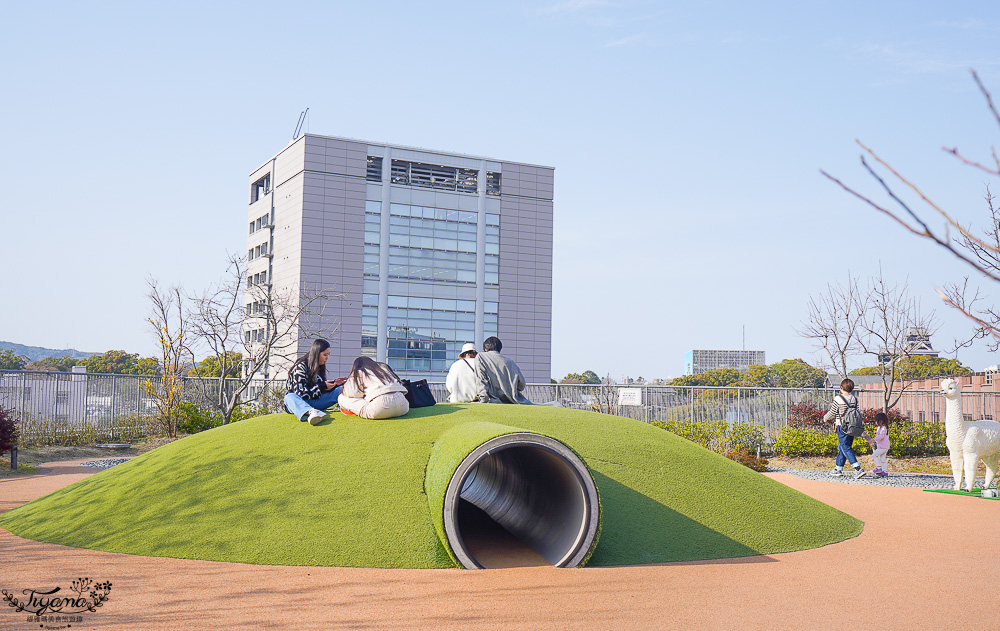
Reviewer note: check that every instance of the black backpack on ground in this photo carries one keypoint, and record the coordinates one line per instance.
(851, 422)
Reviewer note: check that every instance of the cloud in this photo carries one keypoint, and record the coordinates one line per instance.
(969, 24)
(625, 41)
(921, 63)
(574, 6)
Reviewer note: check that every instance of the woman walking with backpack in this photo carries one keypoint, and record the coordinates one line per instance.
(844, 409)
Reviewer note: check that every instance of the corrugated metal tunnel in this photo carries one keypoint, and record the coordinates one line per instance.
(534, 488)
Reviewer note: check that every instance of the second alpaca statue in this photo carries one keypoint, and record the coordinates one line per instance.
(968, 441)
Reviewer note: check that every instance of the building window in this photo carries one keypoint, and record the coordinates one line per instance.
(989, 379)
(373, 227)
(260, 188)
(432, 244)
(374, 173)
(369, 324)
(427, 334)
(492, 183)
(435, 176)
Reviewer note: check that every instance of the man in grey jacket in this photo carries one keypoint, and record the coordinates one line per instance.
(500, 380)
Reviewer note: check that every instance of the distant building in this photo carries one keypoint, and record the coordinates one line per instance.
(918, 342)
(698, 361)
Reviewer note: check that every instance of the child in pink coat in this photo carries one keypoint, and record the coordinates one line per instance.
(880, 444)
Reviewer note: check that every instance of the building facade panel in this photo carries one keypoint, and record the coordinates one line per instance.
(401, 234)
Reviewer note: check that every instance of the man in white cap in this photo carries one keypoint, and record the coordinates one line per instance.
(462, 382)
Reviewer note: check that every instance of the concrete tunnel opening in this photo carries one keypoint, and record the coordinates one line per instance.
(521, 499)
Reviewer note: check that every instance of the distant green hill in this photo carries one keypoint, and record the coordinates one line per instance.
(34, 353)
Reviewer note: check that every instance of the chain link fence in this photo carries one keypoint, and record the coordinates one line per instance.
(102, 401)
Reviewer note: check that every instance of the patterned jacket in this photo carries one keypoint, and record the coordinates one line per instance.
(298, 382)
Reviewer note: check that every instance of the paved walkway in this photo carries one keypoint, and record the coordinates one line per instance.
(924, 561)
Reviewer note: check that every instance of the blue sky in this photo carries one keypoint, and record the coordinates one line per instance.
(687, 140)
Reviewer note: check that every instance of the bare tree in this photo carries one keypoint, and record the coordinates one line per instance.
(970, 300)
(982, 255)
(606, 396)
(245, 328)
(891, 320)
(832, 323)
(169, 324)
(874, 318)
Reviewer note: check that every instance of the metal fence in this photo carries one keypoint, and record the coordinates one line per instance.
(100, 401)
(77, 399)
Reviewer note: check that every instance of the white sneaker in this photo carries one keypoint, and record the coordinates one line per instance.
(315, 416)
(859, 473)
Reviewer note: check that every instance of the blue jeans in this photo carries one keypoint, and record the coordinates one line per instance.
(845, 449)
(299, 406)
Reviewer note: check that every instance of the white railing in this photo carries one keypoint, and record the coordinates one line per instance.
(98, 400)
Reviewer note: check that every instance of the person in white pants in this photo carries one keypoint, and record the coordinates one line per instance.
(373, 391)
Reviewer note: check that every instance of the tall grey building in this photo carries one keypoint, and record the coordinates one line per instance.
(429, 250)
(698, 361)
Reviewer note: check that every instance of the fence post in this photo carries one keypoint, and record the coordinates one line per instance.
(24, 403)
(13, 458)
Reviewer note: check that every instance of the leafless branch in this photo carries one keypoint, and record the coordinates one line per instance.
(247, 327)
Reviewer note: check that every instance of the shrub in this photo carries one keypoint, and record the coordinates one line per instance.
(272, 400)
(746, 436)
(917, 438)
(192, 419)
(798, 441)
(47, 433)
(806, 415)
(747, 458)
(247, 410)
(8, 430)
(711, 435)
(739, 443)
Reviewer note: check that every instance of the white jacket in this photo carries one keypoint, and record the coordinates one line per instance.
(371, 387)
(462, 382)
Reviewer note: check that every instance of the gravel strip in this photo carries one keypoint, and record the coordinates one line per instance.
(909, 480)
(106, 463)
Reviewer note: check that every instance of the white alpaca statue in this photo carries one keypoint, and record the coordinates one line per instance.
(968, 441)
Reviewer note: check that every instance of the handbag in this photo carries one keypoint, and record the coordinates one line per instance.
(418, 393)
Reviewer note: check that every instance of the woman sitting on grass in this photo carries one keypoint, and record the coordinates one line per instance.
(309, 392)
(373, 391)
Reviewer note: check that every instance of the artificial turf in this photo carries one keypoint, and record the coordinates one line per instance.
(359, 493)
(974, 493)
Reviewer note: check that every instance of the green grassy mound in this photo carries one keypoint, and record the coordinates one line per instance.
(352, 492)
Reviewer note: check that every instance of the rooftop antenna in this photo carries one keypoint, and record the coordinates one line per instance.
(298, 125)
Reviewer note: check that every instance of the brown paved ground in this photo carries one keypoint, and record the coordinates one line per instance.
(911, 568)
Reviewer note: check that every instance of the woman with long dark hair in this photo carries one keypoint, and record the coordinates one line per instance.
(373, 390)
(309, 391)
